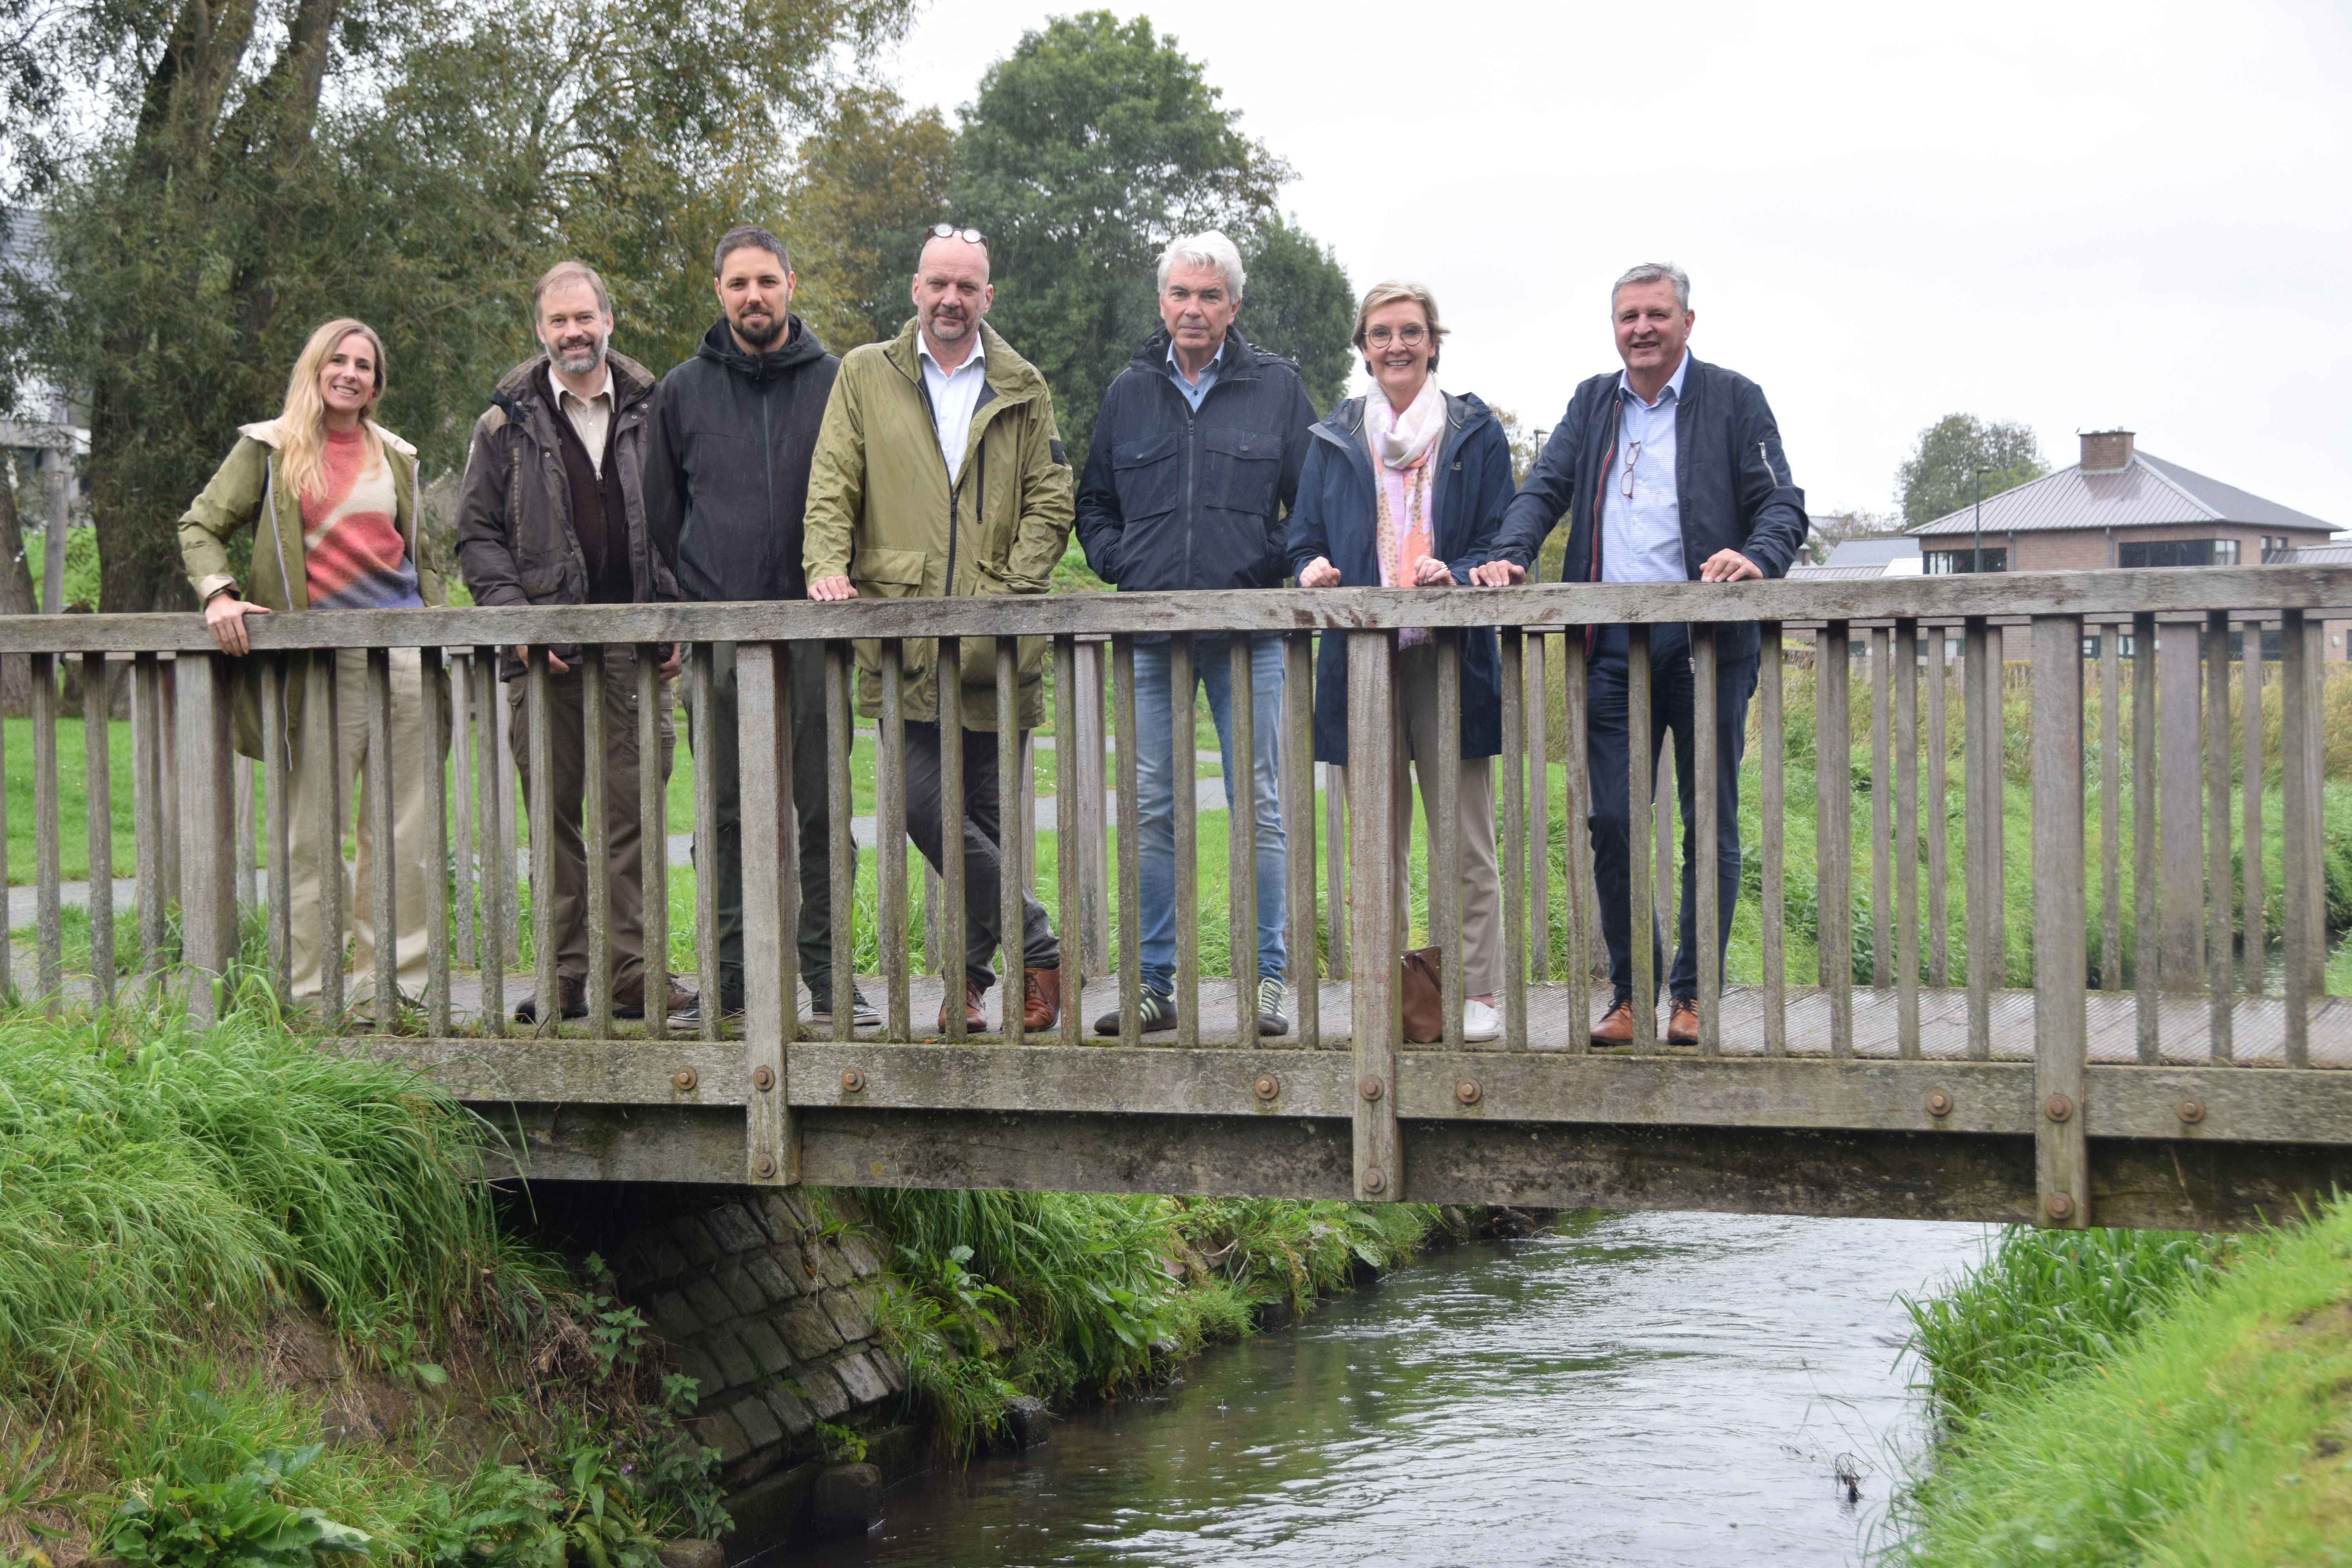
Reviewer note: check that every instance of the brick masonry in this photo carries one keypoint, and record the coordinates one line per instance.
(772, 1316)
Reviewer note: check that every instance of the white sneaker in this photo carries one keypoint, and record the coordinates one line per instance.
(1480, 1021)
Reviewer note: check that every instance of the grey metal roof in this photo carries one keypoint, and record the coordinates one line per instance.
(2146, 490)
(2312, 555)
(1873, 551)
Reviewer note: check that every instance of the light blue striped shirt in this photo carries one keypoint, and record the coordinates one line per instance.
(1641, 535)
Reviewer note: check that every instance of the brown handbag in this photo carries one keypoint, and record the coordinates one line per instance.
(1423, 995)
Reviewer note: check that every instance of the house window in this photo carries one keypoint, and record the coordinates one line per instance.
(2179, 552)
(1946, 563)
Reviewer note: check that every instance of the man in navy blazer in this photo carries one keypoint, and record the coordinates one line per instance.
(1669, 470)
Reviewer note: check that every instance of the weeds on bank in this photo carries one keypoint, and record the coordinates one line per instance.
(176, 1199)
(2214, 1431)
(1064, 1295)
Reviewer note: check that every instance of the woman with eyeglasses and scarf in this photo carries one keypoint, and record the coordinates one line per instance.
(1405, 487)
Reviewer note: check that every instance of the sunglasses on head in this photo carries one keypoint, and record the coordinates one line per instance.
(950, 231)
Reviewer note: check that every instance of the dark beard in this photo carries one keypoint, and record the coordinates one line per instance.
(761, 338)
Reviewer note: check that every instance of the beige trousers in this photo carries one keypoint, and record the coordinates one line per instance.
(309, 777)
(1419, 742)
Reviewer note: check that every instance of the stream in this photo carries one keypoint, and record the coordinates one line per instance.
(1634, 1389)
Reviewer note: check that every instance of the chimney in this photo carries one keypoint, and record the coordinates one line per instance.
(2106, 451)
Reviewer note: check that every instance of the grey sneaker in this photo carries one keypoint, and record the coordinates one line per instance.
(1270, 1020)
(862, 1015)
(690, 1015)
(1158, 1013)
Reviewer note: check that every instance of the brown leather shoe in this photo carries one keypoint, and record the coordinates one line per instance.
(629, 1001)
(570, 1000)
(1615, 1028)
(974, 1023)
(1682, 1022)
(1041, 1001)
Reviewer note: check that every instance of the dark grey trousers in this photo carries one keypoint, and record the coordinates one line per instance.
(984, 859)
(724, 859)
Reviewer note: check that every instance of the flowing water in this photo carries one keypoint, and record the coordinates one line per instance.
(1638, 1389)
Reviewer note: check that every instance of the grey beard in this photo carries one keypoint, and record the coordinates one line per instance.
(580, 361)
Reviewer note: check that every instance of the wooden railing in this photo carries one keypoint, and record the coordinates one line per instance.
(2208, 993)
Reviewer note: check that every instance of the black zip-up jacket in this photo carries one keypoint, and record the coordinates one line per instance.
(1172, 499)
(726, 475)
(1731, 483)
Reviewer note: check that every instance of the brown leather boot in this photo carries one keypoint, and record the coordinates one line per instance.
(973, 1022)
(1616, 1028)
(1041, 1001)
(1682, 1022)
(629, 1000)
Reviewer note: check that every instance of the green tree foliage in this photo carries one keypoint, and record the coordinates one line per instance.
(1300, 305)
(862, 191)
(249, 172)
(1089, 148)
(1939, 476)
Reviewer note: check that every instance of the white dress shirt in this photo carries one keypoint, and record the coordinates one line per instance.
(1642, 534)
(591, 417)
(955, 394)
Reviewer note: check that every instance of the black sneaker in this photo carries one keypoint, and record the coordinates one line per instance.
(1157, 1013)
(690, 1015)
(1270, 1020)
(862, 1013)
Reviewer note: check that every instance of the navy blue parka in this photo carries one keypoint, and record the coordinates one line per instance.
(1334, 519)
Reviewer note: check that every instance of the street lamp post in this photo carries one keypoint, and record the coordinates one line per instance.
(1976, 561)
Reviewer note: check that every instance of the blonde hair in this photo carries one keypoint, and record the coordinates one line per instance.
(302, 425)
(1382, 294)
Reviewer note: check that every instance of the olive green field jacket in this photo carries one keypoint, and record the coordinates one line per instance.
(246, 492)
(881, 512)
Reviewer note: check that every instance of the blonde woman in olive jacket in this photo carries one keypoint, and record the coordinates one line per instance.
(331, 499)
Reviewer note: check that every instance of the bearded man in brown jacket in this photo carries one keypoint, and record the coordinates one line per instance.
(552, 512)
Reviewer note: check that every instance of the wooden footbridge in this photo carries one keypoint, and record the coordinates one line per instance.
(2157, 1047)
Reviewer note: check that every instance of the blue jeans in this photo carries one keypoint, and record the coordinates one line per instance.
(1156, 802)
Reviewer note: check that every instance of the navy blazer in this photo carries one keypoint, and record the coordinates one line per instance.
(1731, 480)
(1334, 519)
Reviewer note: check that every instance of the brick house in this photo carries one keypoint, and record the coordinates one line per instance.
(2118, 507)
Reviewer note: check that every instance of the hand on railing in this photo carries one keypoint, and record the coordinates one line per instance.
(554, 664)
(1429, 571)
(832, 589)
(1498, 574)
(224, 615)
(1728, 567)
(1319, 573)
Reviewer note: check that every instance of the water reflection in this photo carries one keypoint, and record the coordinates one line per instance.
(1646, 1389)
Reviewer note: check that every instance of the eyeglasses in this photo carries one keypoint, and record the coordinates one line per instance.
(1632, 456)
(1410, 336)
(950, 231)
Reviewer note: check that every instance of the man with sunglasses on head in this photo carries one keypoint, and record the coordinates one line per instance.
(940, 473)
(1193, 469)
(724, 493)
(1667, 471)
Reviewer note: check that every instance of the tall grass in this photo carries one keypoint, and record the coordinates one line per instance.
(2214, 1431)
(2045, 1305)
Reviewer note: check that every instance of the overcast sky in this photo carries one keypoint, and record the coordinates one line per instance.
(2080, 216)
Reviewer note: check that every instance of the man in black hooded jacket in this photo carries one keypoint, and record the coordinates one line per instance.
(726, 483)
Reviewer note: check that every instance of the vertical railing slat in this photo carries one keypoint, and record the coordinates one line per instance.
(494, 840)
(1516, 848)
(208, 818)
(2111, 794)
(953, 969)
(2146, 937)
(596, 840)
(461, 769)
(1186, 834)
(772, 896)
(1371, 777)
(1706, 806)
(1069, 860)
(539, 746)
(97, 823)
(383, 881)
(2254, 899)
(322, 725)
(1882, 893)
(2218, 981)
(148, 742)
(1538, 856)
(1981, 777)
(1905, 674)
(1298, 835)
(1446, 841)
(1833, 830)
(1641, 895)
(1124, 733)
(1774, 806)
(840, 847)
(2315, 879)
(703, 719)
(1082, 823)
(277, 820)
(891, 844)
(2297, 823)
(1241, 837)
(436, 855)
(1575, 804)
(2060, 1034)
(1012, 993)
(1939, 870)
(653, 837)
(48, 915)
